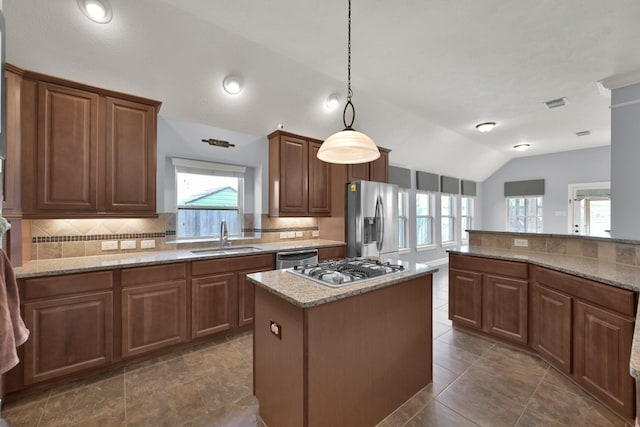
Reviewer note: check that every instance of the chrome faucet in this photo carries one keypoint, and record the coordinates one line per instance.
(224, 234)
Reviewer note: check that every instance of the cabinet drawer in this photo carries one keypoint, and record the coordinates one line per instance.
(43, 287)
(491, 266)
(153, 274)
(620, 300)
(213, 266)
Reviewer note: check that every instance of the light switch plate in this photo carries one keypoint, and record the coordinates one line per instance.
(524, 243)
(283, 234)
(315, 233)
(298, 233)
(109, 245)
(127, 244)
(148, 244)
(291, 234)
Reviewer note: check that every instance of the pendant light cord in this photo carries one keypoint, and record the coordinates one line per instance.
(349, 91)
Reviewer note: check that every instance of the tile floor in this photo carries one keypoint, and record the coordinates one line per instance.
(475, 382)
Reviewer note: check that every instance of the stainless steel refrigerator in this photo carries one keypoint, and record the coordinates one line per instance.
(372, 219)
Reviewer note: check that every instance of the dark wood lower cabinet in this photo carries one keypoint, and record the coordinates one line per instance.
(505, 307)
(551, 326)
(602, 345)
(153, 317)
(68, 334)
(213, 304)
(465, 297)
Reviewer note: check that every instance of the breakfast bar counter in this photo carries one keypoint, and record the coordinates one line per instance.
(351, 355)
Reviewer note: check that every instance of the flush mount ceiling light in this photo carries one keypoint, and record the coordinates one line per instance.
(348, 146)
(486, 126)
(555, 103)
(332, 101)
(97, 10)
(521, 147)
(232, 84)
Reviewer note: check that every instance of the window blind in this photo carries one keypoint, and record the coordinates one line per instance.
(468, 187)
(400, 176)
(532, 187)
(450, 185)
(426, 181)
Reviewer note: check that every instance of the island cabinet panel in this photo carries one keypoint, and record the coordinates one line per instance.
(67, 149)
(278, 362)
(68, 335)
(465, 297)
(551, 326)
(212, 304)
(154, 308)
(505, 304)
(602, 345)
(349, 362)
(333, 252)
(130, 156)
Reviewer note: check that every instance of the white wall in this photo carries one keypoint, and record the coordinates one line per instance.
(625, 158)
(177, 138)
(558, 170)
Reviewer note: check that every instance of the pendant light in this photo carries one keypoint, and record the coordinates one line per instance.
(348, 146)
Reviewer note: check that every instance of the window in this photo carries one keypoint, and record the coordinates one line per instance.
(466, 216)
(424, 219)
(524, 214)
(403, 219)
(208, 193)
(448, 218)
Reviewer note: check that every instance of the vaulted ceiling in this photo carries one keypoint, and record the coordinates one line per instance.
(424, 72)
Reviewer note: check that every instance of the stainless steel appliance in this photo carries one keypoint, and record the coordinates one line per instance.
(345, 271)
(372, 219)
(293, 258)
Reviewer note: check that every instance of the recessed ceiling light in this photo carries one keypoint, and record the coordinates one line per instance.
(232, 84)
(521, 147)
(332, 101)
(97, 10)
(486, 126)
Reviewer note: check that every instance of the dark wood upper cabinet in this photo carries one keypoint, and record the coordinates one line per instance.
(299, 183)
(378, 170)
(85, 152)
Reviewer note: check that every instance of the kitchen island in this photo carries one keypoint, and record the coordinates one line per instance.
(340, 356)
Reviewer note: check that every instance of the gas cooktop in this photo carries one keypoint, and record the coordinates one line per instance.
(345, 272)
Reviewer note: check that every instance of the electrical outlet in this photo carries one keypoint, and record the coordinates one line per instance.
(283, 234)
(524, 243)
(276, 329)
(127, 244)
(109, 245)
(298, 233)
(148, 244)
(291, 234)
(315, 233)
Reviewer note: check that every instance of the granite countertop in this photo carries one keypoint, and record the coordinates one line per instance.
(306, 293)
(621, 276)
(107, 262)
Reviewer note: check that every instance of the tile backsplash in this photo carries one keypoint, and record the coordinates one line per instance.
(63, 238)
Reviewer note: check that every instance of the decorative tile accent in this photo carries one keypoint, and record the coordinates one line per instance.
(55, 239)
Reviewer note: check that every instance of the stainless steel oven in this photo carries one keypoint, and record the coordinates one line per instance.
(293, 258)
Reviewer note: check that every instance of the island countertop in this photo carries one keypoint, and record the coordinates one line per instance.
(621, 276)
(306, 293)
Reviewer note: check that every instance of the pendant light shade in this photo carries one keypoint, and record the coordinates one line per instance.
(348, 146)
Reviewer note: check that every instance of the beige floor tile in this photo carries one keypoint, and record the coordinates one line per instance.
(435, 414)
(440, 329)
(464, 341)
(531, 418)
(452, 358)
(26, 411)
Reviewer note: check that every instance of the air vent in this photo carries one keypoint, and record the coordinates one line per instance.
(584, 133)
(555, 103)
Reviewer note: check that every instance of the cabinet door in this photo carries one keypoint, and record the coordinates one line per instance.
(379, 168)
(213, 302)
(505, 307)
(319, 183)
(465, 297)
(293, 175)
(67, 149)
(130, 157)
(358, 172)
(68, 335)
(551, 326)
(153, 316)
(333, 252)
(245, 296)
(602, 347)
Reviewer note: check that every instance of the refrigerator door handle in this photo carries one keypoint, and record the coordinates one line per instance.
(379, 224)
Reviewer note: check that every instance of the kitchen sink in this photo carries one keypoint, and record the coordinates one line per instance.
(227, 251)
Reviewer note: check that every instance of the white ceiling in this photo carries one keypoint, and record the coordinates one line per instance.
(424, 72)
